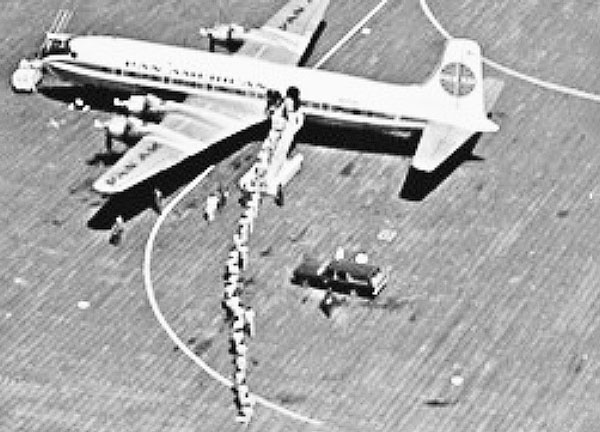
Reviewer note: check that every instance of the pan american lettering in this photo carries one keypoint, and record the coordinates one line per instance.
(148, 151)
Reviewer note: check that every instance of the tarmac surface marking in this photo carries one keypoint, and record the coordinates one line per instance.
(165, 325)
(559, 88)
(350, 33)
(171, 205)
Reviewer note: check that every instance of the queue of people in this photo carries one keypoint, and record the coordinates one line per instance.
(241, 317)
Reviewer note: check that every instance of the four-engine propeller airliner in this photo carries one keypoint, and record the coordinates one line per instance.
(226, 93)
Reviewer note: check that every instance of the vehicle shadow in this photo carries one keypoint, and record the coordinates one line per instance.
(419, 184)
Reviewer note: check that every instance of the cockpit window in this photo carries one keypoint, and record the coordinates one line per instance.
(56, 43)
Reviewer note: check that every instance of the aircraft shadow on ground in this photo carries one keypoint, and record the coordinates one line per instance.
(134, 201)
(104, 158)
(360, 140)
(97, 98)
(313, 42)
(416, 187)
(419, 184)
(139, 198)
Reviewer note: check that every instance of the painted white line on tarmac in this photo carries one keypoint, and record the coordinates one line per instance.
(147, 265)
(432, 19)
(559, 88)
(350, 33)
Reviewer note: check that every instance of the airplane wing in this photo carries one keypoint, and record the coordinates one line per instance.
(180, 135)
(440, 140)
(282, 39)
(285, 37)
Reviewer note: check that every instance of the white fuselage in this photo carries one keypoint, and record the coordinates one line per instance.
(134, 65)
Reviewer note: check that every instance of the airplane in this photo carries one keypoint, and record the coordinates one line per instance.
(226, 93)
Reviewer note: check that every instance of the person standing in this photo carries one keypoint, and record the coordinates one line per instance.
(116, 233)
(279, 196)
(212, 202)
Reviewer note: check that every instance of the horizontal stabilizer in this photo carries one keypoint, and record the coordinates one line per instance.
(439, 140)
(492, 87)
(437, 143)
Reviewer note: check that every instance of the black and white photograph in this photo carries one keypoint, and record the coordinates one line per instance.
(300, 215)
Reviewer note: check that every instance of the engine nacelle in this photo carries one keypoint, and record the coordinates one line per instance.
(140, 104)
(122, 128)
(228, 35)
(224, 32)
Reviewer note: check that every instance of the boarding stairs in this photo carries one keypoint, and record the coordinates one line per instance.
(273, 168)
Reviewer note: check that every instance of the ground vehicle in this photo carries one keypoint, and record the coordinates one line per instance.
(342, 275)
(27, 76)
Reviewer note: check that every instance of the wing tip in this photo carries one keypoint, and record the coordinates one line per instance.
(424, 165)
(101, 186)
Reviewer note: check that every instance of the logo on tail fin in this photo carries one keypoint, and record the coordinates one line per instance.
(457, 79)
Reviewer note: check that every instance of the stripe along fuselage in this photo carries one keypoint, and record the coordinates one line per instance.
(140, 66)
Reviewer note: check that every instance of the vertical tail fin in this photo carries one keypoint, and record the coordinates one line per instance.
(456, 87)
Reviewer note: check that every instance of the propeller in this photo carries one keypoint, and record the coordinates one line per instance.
(139, 104)
(120, 127)
(225, 34)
